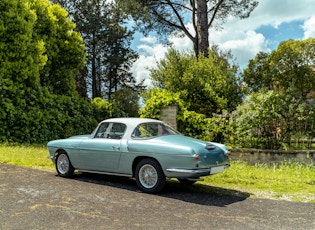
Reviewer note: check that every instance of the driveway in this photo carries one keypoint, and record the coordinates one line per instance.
(34, 199)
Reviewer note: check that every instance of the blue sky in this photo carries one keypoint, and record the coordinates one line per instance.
(284, 32)
(272, 22)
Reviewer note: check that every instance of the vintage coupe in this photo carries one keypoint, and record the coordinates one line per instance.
(147, 149)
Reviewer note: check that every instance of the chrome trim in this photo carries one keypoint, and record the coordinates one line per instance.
(190, 171)
(105, 173)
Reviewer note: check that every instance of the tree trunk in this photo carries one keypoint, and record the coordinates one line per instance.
(202, 36)
(94, 80)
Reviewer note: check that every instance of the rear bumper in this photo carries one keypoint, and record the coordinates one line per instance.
(199, 172)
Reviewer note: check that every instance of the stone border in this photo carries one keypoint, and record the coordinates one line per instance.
(253, 156)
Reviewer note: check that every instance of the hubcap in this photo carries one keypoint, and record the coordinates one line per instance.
(148, 176)
(63, 164)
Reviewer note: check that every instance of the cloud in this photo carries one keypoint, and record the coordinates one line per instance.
(309, 28)
(245, 46)
(149, 39)
(274, 13)
(140, 69)
(150, 55)
(239, 36)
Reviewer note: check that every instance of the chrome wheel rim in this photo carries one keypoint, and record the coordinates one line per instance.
(63, 164)
(148, 176)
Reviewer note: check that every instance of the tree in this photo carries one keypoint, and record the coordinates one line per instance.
(171, 16)
(21, 56)
(290, 66)
(21, 60)
(64, 47)
(29, 111)
(120, 58)
(257, 74)
(107, 41)
(208, 86)
(128, 101)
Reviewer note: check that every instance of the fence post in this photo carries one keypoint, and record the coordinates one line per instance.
(169, 114)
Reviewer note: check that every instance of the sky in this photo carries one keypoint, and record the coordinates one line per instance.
(272, 22)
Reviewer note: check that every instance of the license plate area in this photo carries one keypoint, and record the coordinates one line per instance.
(217, 169)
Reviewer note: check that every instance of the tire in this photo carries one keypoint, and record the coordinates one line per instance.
(149, 176)
(186, 181)
(63, 165)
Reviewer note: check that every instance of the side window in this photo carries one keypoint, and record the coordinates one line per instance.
(111, 131)
(117, 131)
(101, 132)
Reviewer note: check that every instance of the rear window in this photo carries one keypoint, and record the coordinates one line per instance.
(149, 130)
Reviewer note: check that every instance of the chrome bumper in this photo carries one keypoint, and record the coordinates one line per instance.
(209, 171)
(189, 171)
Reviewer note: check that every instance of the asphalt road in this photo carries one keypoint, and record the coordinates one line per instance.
(34, 199)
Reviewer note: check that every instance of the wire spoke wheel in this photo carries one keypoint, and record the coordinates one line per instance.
(149, 176)
(63, 165)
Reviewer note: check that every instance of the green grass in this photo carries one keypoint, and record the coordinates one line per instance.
(287, 181)
(28, 156)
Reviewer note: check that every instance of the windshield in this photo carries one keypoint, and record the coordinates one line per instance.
(153, 129)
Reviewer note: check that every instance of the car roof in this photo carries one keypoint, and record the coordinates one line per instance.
(133, 121)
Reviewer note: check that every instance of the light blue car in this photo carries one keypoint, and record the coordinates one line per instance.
(148, 150)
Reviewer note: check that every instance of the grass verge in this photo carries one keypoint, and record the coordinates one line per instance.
(287, 181)
(28, 156)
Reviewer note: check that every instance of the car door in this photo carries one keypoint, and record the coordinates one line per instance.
(103, 152)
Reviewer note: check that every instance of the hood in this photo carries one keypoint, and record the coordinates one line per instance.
(81, 136)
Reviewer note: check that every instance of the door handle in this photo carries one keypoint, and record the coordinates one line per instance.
(117, 148)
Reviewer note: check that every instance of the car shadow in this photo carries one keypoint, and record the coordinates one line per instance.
(203, 194)
(197, 193)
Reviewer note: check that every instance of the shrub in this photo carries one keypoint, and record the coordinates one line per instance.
(272, 120)
(190, 123)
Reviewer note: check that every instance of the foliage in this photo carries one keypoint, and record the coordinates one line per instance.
(104, 109)
(64, 47)
(190, 123)
(155, 99)
(269, 119)
(45, 116)
(107, 40)
(257, 74)
(293, 62)
(207, 85)
(128, 101)
(205, 90)
(33, 35)
(167, 17)
(285, 114)
(21, 57)
(290, 66)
